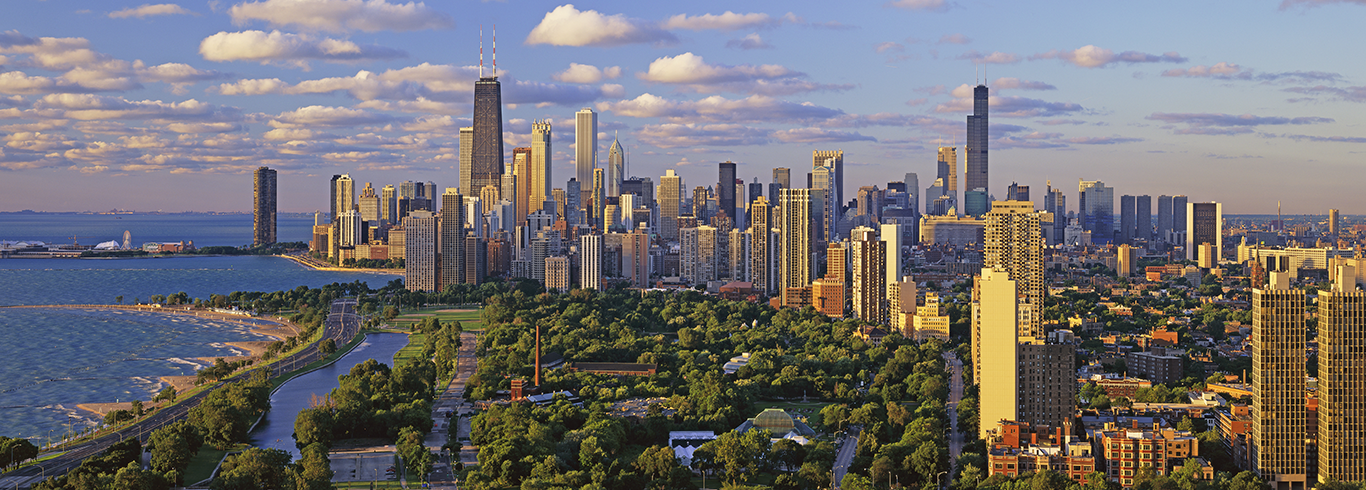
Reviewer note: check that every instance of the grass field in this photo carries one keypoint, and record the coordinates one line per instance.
(202, 465)
(469, 319)
(416, 342)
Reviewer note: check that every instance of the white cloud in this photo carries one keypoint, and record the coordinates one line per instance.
(252, 87)
(996, 57)
(751, 41)
(728, 21)
(694, 135)
(295, 49)
(889, 46)
(586, 74)
(755, 108)
(568, 26)
(1091, 56)
(178, 73)
(819, 135)
(343, 15)
(926, 5)
(147, 10)
(688, 68)
(211, 127)
(96, 107)
(324, 116)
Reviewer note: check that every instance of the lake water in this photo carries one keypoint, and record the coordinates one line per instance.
(204, 229)
(57, 358)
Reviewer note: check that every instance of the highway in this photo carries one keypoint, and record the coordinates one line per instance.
(844, 456)
(341, 325)
(453, 399)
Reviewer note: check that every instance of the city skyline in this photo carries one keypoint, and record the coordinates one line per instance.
(167, 102)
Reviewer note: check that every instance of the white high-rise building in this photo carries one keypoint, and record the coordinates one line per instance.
(467, 162)
(541, 151)
(420, 246)
(590, 262)
(616, 166)
(585, 148)
(352, 229)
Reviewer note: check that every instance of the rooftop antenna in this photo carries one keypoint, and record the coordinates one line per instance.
(481, 51)
(495, 51)
(1280, 222)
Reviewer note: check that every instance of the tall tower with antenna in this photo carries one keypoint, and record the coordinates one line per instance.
(487, 149)
(975, 191)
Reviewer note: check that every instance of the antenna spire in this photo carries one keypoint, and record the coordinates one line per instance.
(481, 51)
(495, 51)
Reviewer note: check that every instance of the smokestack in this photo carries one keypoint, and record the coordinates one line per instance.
(538, 356)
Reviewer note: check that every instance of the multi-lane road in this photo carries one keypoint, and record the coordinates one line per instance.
(955, 367)
(458, 426)
(342, 324)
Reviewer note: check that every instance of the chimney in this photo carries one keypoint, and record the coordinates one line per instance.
(1059, 439)
(538, 356)
(1033, 438)
(1133, 423)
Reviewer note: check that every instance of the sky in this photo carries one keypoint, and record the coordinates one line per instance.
(170, 106)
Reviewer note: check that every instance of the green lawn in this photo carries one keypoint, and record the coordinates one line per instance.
(468, 319)
(202, 465)
(416, 342)
(366, 484)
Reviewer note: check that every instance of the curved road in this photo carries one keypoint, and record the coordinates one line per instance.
(342, 324)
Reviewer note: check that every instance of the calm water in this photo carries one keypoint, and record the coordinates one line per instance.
(205, 230)
(57, 358)
(276, 431)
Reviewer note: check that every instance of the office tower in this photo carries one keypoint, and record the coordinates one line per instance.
(635, 260)
(369, 205)
(783, 177)
(466, 162)
(931, 321)
(540, 250)
(1164, 218)
(640, 186)
(263, 207)
(521, 171)
(913, 191)
(891, 235)
(487, 156)
(1054, 201)
(599, 195)
(977, 200)
(869, 264)
(452, 238)
(835, 159)
(1204, 224)
(351, 229)
(585, 145)
(1017, 192)
(725, 188)
(557, 197)
(837, 263)
(868, 202)
(995, 312)
(388, 204)
(737, 249)
(823, 179)
(670, 202)
(1333, 222)
(557, 273)
(1096, 210)
(476, 259)
(1342, 353)
(332, 193)
(1125, 255)
(1126, 219)
(756, 189)
(573, 192)
(947, 170)
(616, 168)
(699, 257)
(1178, 217)
(344, 194)
(1014, 243)
(1143, 218)
(975, 169)
(796, 220)
(1278, 370)
(420, 252)
(540, 181)
(590, 262)
(407, 189)
(759, 246)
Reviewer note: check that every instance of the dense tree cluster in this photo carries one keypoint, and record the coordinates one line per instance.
(15, 450)
(115, 468)
(371, 401)
(271, 469)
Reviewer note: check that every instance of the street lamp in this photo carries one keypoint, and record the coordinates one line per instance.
(937, 479)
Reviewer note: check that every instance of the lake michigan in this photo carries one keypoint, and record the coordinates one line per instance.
(56, 358)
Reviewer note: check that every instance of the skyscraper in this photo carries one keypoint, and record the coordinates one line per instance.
(332, 196)
(1179, 218)
(343, 194)
(948, 171)
(369, 205)
(995, 318)
(585, 147)
(1126, 220)
(616, 168)
(1017, 192)
(759, 246)
(869, 264)
(1143, 218)
(590, 262)
(1204, 224)
(599, 195)
(1342, 352)
(487, 155)
(725, 187)
(1278, 370)
(388, 204)
(783, 177)
(263, 207)
(466, 164)
(670, 201)
(1054, 201)
(1014, 243)
(1096, 210)
(420, 252)
(975, 171)
(1333, 222)
(1164, 218)
(452, 242)
(521, 171)
(912, 182)
(823, 179)
(833, 158)
(540, 181)
(796, 209)
(891, 235)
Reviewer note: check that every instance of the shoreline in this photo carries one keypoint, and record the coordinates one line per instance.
(311, 265)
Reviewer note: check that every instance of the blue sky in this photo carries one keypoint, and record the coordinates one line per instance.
(170, 106)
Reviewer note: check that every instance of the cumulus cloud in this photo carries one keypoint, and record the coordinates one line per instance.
(328, 117)
(586, 74)
(694, 73)
(1092, 56)
(755, 108)
(1226, 124)
(752, 41)
(148, 10)
(1230, 71)
(343, 15)
(287, 48)
(568, 26)
(819, 135)
(694, 135)
(97, 107)
(995, 57)
(1017, 84)
(728, 21)
(922, 5)
(953, 39)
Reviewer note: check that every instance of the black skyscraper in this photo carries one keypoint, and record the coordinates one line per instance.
(975, 174)
(263, 209)
(487, 154)
(725, 189)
